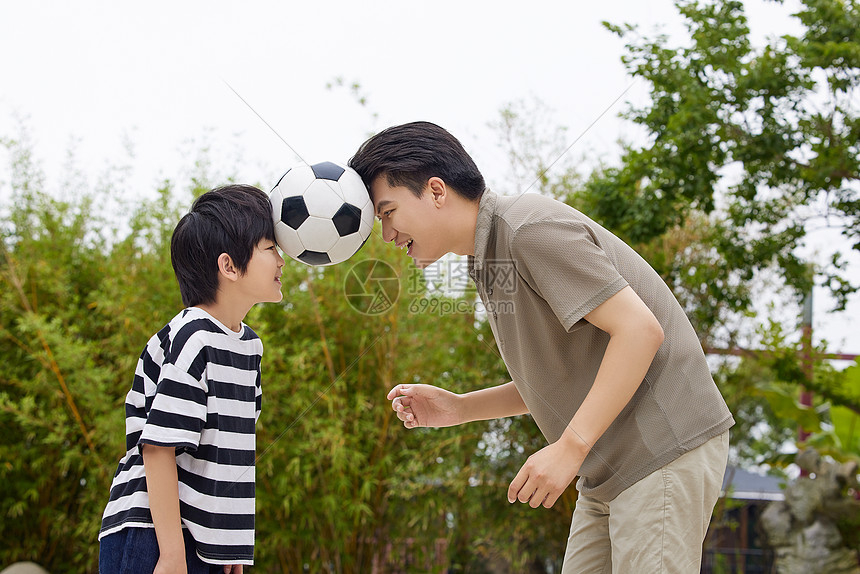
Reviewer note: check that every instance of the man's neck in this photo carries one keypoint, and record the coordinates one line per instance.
(464, 226)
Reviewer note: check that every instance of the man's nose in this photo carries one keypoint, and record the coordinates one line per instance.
(388, 233)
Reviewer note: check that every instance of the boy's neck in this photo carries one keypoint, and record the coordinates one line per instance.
(229, 316)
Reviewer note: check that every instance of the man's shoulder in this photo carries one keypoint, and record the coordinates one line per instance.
(526, 208)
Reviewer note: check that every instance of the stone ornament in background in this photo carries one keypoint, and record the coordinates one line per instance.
(803, 529)
(24, 568)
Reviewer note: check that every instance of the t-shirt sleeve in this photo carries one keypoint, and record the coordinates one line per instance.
(563, 262)
(179, 408)
(258, 397)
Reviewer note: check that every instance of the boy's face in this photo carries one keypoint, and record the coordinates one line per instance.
(262, 279)
(410, 222)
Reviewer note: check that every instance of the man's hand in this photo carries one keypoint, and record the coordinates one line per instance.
(548, 472)
(425, 406)
(233, 569)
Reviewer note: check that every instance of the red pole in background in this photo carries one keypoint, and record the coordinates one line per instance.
(806, 358)
(807, 364)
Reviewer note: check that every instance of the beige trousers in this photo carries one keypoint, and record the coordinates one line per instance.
(655, 526)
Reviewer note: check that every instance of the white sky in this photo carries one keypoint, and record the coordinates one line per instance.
(102, 73)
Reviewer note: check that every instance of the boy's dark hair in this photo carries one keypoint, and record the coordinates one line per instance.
(232, 219)
(412, 153)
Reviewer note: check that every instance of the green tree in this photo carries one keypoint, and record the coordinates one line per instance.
(748, 149)
(762, 141)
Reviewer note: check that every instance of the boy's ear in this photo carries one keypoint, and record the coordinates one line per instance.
(227, 268)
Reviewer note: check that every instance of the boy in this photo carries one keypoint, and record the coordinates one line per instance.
(599, 351)
(182, 499)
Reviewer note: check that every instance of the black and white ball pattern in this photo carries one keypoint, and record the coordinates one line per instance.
(322, 212)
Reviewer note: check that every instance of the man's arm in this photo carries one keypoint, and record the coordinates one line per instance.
(430, 406)
(492, 403)
(162, 484)
(634, 337)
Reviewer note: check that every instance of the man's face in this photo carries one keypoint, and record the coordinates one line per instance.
(409, 221)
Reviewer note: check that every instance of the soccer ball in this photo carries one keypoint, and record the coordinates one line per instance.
(322, 212)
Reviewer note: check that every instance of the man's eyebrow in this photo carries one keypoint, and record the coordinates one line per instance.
(382, 204)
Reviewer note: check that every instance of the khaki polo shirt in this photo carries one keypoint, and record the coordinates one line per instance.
(540, 266)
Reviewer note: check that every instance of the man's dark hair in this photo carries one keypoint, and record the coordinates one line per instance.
(410, 154)
(232, 219)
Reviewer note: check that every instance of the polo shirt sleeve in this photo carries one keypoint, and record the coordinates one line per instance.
(564, 264)
(179, 407)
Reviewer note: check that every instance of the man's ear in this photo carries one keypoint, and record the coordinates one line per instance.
(438, 190)
(227, 268)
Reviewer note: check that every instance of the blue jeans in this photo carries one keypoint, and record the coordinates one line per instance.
(135, 551)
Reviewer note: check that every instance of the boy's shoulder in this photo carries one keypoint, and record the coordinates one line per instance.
(195, 323)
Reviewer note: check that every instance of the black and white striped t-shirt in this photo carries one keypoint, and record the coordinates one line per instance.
(197, 388)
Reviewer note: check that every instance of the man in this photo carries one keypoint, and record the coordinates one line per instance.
(599, 350)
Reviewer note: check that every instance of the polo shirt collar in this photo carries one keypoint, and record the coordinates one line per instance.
(483, 227)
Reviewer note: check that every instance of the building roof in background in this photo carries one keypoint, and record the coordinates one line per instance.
(745, 485)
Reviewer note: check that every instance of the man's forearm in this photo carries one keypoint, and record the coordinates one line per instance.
(162, 484)
(492, 403)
